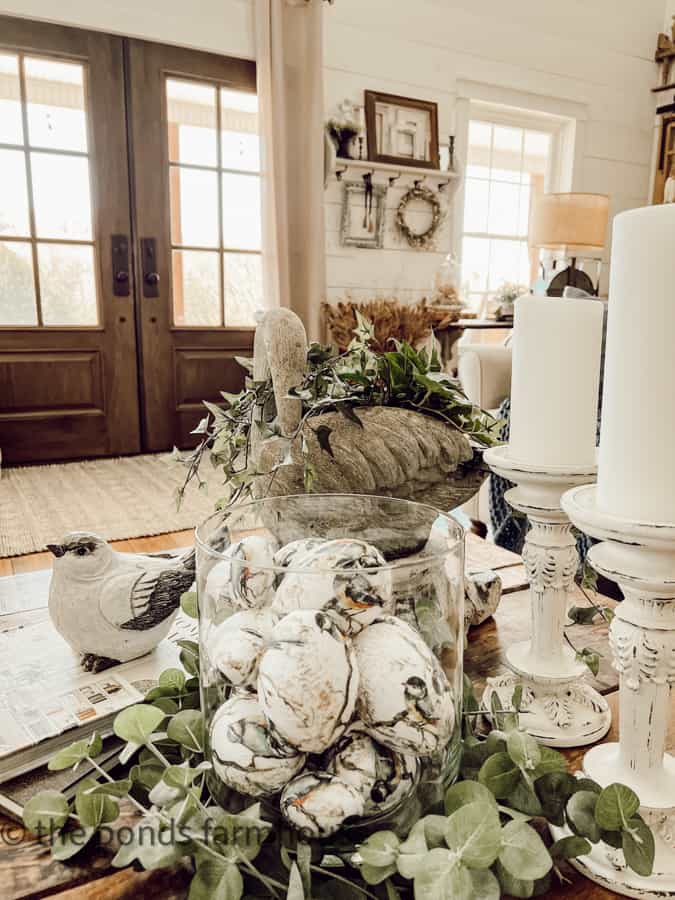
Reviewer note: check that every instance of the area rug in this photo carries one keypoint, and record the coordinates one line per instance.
(129, 497)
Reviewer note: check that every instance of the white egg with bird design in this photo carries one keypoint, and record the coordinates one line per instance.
(236, 645)
(405, 701)
(318, 804)
(308, 680)
(346, 576)
(244, 578)
(383, 777)
(295, 550)
(247, 754)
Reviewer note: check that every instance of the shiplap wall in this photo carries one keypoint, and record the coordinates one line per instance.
(593, 56)
(597, 57)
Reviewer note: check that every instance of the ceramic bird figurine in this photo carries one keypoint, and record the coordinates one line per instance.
(112, 607)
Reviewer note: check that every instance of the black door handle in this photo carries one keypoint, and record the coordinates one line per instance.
(149, 267)
(120, 265)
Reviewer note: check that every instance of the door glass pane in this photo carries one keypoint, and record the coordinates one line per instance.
(240, 141)
(17, 287)
(13, 194)
(61, 196)
(55, 97)
(67, 284)
(11, 128)
(196, 288)
(243, 288)
(241, 212)
(194, 207)
(191, 111)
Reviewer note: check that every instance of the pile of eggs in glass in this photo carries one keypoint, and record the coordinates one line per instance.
(335, 701)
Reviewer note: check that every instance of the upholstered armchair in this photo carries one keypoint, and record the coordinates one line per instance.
(485, 374)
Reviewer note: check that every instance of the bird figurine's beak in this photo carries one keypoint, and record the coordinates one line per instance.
(57, 549)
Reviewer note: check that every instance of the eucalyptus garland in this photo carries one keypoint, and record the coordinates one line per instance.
(419, 240)
(485, 841)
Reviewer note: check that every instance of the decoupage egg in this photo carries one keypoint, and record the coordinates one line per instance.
(243, 578)
(318, 804)
(291, 552)
(359, 597)
(383, 777)
(308, 680)
(247, 755)
(405, 700)
(236, 645)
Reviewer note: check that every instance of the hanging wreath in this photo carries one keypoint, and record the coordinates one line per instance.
(419, 240)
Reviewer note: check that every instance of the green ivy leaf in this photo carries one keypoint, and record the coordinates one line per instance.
(615, 806)
(187, 729)
(590, 658)
(523, 852)
(580, 814)
(582, 615)
(499, 774)
(189, 605)
(638, 846)
(474, 832)
(47, 811)
(136, 723)
(463, 792)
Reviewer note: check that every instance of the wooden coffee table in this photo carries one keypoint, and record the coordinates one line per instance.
(26, 870)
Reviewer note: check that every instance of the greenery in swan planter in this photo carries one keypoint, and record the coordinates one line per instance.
(485, 842)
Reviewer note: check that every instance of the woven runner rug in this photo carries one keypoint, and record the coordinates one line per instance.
(121, 498)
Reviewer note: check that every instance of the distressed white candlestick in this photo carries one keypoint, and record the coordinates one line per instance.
(641, 557)
(558, 707)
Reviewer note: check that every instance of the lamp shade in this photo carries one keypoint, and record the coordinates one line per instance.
(576, 223)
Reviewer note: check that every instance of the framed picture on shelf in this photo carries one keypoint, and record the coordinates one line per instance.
(402, 131)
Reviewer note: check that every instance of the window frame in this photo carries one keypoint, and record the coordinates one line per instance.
(558, 127)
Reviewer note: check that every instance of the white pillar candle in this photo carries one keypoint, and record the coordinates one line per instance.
(556, 375)
(636, 464)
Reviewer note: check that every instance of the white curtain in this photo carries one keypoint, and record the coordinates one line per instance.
(289, 52)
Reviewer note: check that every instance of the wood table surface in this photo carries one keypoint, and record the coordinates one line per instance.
(27, 871)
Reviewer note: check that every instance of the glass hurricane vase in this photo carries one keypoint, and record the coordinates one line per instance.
(331, 643)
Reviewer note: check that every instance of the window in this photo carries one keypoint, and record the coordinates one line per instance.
(47, 245)
(214, 159)
(507, 163)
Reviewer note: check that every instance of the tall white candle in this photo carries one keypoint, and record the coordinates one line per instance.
(556, 374)
(636, 465)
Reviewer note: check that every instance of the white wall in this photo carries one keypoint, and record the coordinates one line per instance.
(594, 57)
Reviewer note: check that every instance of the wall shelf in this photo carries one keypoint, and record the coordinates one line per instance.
(363, 166)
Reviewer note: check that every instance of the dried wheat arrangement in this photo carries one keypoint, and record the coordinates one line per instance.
(411, 322)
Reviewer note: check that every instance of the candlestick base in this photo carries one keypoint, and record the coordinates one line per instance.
(558, 707)
(640, 556)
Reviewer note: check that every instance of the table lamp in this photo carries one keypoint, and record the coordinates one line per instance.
(574, 226)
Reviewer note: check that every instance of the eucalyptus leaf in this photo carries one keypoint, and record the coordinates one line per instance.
(463, 792)
(443, 878)
(434, 831)
(295, 889)
(136, 723)
(94, 809)
(189, 656)
(551, 761)
(523, 750)
(112, 788)
(638, 846)
(187, 729)
(189, 605)
(570, 847)
(67, 843)
(484, 884)
(215, 881)
(376, 874)
(615, 806)
(499, 774)
(46, 812)
(512, 885)
(523, 852)
(554, 790)
(580, 814)
(524, 799)
(380, 849)
(174, 679)
(70, 756)
(474, 832)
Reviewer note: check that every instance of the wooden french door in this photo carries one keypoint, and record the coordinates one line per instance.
(195, 130)
(130, 266)
(68, 375)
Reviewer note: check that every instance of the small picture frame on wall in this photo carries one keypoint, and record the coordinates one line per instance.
(363, 216)
(402, 131)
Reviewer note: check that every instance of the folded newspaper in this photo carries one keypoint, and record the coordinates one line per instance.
(47, 701)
